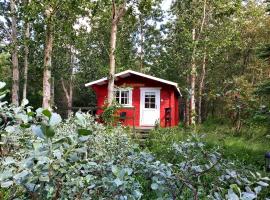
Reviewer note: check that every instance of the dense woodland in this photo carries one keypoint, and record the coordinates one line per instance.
(218, 51)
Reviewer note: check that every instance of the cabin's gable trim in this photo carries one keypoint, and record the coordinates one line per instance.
(126, 74)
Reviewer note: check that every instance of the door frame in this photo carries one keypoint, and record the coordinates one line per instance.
(150, 89)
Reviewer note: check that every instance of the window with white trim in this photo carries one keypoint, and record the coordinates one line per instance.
(123, 96)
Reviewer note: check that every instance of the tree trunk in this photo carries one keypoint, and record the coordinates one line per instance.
(187, 103)
(117, 14)
(47, 60)
(15, 64)
(112, 63)
(193, 66)
(192, 84)
(26, 53)
(201, 88)
(141, 45)
(70, 100)
(69, 93)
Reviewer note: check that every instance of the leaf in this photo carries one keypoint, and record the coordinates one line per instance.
(264, 184)
(22, 117)
(47, 113)
(6, 174)
(24, 102)
(25, 125)
(37, 131)
(47, 131)
(57, 153)
(30, 114)
(55, 119)
(118, 182)
(43, 160)
(2, 84)
(258, 189)
(39, 112)
(266, 178)
(115, 170)
(8, 161)
(44, 178)
(129, 171)
(248, 196)
(235, 188)
(232, 195)
(154, 186)
(6, 184)
(137, 194)
(31, 187)
(10, 129)
(21, 176)
(81, 119)
(84, 132)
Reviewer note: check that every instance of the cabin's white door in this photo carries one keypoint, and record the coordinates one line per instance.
(149, 106)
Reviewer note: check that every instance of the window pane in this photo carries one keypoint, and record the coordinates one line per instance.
(122, 96)
(124, 93)
(150, 100)
(146, 105)
(124, 100)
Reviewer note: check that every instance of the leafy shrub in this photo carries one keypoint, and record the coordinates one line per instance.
(109, 114)
(81, 159)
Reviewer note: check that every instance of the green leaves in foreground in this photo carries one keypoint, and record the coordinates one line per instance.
(47, 113)
(91, 161)
(47, 131)
(84, 132)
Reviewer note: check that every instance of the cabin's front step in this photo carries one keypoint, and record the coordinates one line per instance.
(141, 134)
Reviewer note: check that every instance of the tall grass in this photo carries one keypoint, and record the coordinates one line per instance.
(246, 147)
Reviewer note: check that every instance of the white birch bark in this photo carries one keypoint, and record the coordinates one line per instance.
(26, 54)
(15, 63)
(117, 14)
(47, 60)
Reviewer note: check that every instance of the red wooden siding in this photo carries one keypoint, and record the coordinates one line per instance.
(168, 98)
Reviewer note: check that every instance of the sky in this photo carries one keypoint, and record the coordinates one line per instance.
(166, 4)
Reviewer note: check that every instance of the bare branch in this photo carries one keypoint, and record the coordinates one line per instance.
(203, 19)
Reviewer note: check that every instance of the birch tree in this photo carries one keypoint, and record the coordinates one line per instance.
(195, 39)
(26, 53)
(47, 57)
(15, 63)
(117, 14)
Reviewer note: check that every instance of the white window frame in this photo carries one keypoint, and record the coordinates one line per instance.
(129, 96)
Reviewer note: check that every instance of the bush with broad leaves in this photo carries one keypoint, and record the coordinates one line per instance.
(43, 157)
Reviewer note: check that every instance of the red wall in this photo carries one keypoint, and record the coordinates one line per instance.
(168, 97)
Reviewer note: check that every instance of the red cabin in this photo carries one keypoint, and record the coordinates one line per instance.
(146, 100)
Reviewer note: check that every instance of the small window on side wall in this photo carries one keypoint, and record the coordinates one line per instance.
(123, 96)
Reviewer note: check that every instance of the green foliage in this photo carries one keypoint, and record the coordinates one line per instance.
(82, 159)
(264, 89)
(246, 147)
(109, 113)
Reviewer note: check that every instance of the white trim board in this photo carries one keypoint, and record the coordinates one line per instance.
(125, 74)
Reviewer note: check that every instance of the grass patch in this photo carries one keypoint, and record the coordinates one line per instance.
(248, 146)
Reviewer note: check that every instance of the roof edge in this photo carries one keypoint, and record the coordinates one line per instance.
(139, 74)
